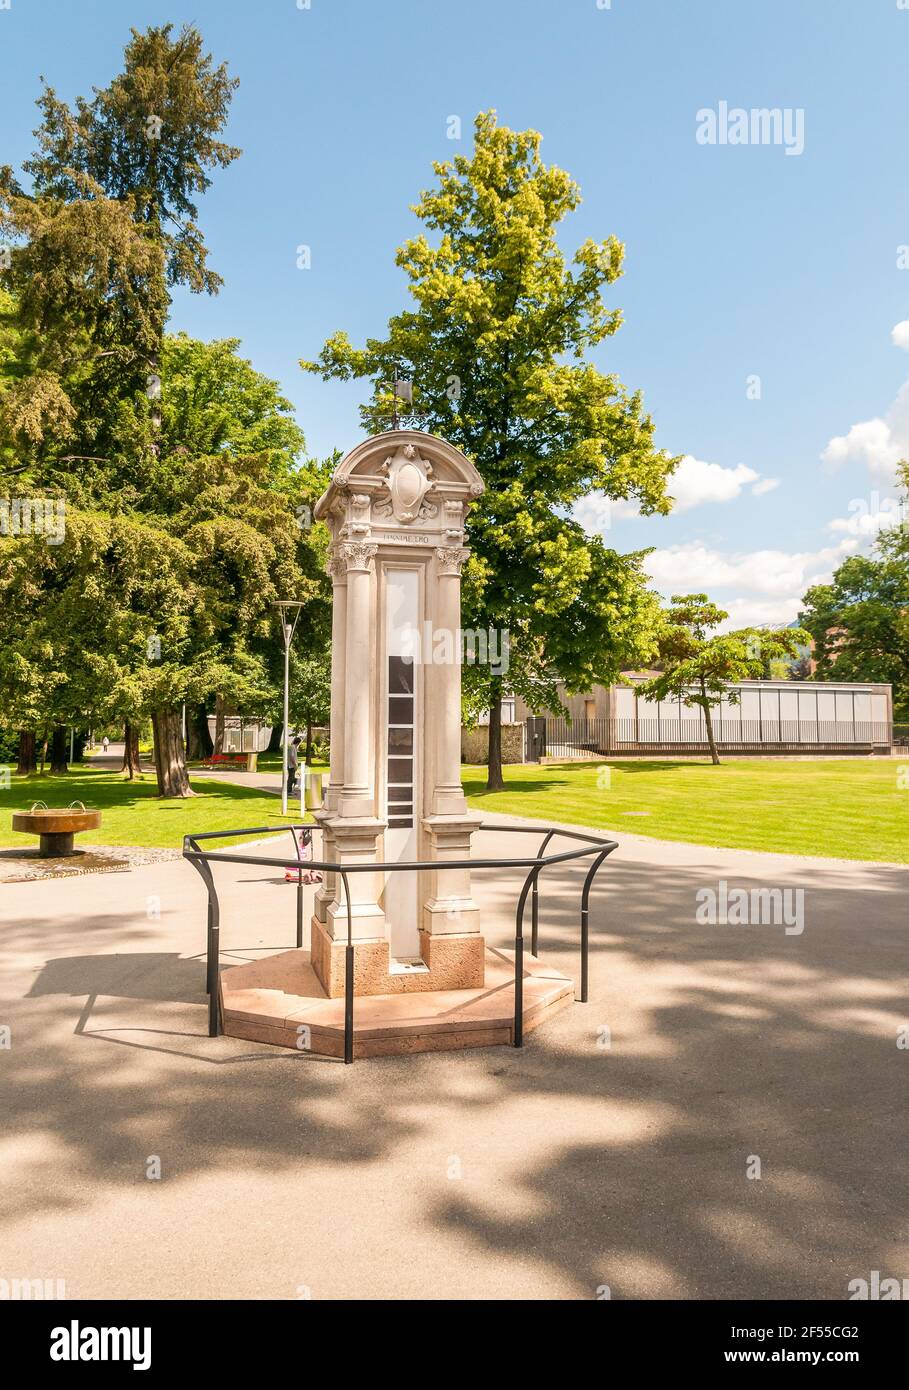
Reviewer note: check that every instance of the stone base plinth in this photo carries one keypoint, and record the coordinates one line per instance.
(279, 1000)
(452, 962)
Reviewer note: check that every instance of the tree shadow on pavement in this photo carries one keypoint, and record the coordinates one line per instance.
(612, 1150)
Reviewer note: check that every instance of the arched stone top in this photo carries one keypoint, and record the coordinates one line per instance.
(406, 472)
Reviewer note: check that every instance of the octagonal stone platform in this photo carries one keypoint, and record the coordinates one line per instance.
(272, 999)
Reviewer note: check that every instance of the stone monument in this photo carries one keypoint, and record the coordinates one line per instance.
(396, 509)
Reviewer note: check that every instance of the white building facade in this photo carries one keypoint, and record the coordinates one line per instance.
(761, 716)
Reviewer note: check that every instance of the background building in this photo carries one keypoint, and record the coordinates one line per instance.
(769, 716)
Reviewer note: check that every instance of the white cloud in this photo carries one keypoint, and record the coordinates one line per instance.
(755, 612)
(777, 574)
(881, 442)
(869, 516)
(774, 581)
(872, 442)
(693, 483)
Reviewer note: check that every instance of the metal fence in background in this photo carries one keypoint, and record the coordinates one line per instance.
(609, 736)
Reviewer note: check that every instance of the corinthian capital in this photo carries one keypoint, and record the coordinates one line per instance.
(357, 555)
(334, 565)
(451, 558)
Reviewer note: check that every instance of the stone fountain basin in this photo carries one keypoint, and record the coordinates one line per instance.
(55, 828)
(62, 822)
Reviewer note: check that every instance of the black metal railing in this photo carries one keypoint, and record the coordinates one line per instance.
(202, 860)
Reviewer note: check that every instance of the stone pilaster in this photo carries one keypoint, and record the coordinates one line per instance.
(357, 797)
(450, 926)
(447, 796)
(337, 568)
(325, 842)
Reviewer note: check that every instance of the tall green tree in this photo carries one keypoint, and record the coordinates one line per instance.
(237, 488)
(215, 402)
(310, 686)
(238, 523)
(497, 345)
(860, 620)
(700, 666)
(85, 623)
(73, 414)
(107, 229)
(147, 141)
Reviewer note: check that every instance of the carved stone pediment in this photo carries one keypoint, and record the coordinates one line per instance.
(409, 479)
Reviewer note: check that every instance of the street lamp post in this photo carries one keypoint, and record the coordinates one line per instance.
(289, 612)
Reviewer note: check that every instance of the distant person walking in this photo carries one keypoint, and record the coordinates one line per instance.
(105, 742)
(293, 762)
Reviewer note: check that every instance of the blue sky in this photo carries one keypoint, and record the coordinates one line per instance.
(742, 261)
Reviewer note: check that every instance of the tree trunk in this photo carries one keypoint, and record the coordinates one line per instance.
(130, 762)
(27, 763)
(200, 744)
(43, 752)
(59, 749)
(219, 724)
(495, 782)
(307, 756)
(170, 763)
(708, 719)
(275, 743)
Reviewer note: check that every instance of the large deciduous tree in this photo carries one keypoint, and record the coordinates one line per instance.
(107, 229)
(310, 684)
(82, 621)
(497, 345)
(860, 620)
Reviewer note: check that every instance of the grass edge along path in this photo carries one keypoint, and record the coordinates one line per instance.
(829, 808)
(132, 813)
(832, 808)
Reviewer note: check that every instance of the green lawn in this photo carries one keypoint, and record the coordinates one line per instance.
(840, 809)
(847, 810)
(133, 814)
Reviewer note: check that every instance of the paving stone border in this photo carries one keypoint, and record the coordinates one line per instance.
(22, 866)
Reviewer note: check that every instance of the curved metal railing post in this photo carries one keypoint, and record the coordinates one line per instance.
(213, 936)
(202, 860)
(518, 1032)
(293, 831)
(535, 902)
(585, 921)
(348, 979)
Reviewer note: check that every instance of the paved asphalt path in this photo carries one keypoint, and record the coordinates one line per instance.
(614, 1149)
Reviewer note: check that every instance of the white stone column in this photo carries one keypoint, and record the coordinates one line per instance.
(449, 911)
(337, 568)
(447, 793)
(358, 795)
(325, 847)
(353, 824)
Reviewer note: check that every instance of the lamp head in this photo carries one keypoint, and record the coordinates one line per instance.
(288, 612)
